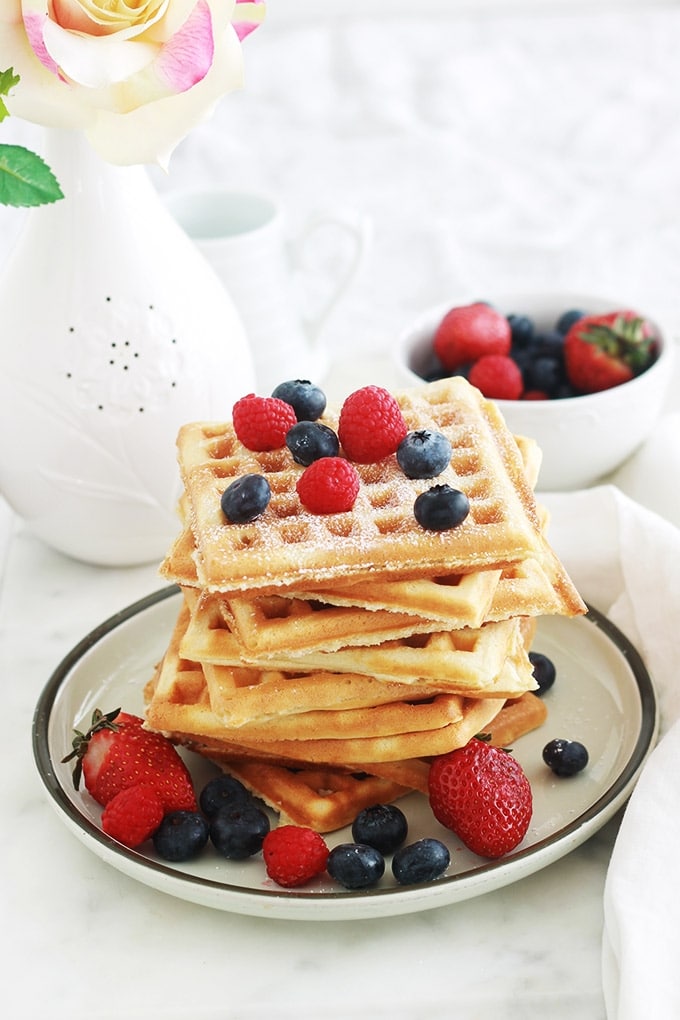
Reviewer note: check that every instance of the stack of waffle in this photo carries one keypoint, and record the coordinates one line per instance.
(324, 659)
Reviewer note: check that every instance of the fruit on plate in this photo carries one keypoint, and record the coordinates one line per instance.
(383, 826)
(294, 854)
(116, 755)
(426, 860)
(565, 757)
(601, 351)
(481, 793)
(356, 865)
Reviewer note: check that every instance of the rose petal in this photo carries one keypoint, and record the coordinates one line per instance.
(188, 56)
(150, 132)
(96, 61)
(35, 25)
(247, 16)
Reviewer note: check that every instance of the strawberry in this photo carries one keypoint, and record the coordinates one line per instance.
(371, 425)
(117, 753)
(481, 793)
(133, 815)
(605, 350)
(468, 332)
(294, 854)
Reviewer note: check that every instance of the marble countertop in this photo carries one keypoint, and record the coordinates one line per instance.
(556, 168)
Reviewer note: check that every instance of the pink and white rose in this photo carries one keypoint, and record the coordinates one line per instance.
(134, 75)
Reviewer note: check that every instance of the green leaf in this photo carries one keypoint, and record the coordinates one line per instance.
(25, 179)
(8, 79)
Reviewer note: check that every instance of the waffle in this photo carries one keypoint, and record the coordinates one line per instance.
(337, 618)
(324, 799)
(267, 624)
(181, 700)
(190, 720)
(288, 547)
(515, 719)
(327, 798)
(239, 696)
(467, 661)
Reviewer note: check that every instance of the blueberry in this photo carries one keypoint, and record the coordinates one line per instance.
(544, 671)
(548, 342)
(441, 508)
(382, 826)
(545, 373)
(521, 329)
(355, 865)
(222, 791)
(423, 454)
(246, 498)
(237, 831)
(522, 357)
(567, 319)
(310, 440)
(422, 861)
(565, 757)
(306, 399)
(181, 836)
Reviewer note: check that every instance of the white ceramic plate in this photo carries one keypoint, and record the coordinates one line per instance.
(603, 696)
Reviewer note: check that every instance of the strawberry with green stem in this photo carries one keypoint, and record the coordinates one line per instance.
(604, 350)
(135, 774)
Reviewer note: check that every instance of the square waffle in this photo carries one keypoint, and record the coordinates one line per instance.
(468, 661)
(238, 696)
(289, 547)
(186, 715)
(324, 799)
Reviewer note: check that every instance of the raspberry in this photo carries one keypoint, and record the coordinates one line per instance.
(497, 376)
(371, 425)
(328, 486)
(261, 423)
(133, 815)
(293, 855)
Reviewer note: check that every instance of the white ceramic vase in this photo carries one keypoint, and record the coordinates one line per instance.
(115, 331)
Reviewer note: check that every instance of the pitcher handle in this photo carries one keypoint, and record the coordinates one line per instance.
(358, 229)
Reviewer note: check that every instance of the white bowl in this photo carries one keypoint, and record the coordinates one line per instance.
(582, 438)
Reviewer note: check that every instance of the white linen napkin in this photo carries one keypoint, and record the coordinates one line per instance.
(625, 560)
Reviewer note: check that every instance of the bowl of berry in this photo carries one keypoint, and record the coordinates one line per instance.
(584, 376)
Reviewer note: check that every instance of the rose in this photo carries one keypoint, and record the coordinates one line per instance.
(135, 75)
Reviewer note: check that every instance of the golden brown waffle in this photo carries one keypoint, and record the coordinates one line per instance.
(518, 716)
(457, 600)
(515, 719)
(472, 662)
(267, 624)
(240, 696)
(321, 798)
(178, 686)
(180, 706)
(179, 703)
(289, 547)
(336, 618)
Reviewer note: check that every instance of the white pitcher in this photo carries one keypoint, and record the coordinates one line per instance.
(268, 275)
